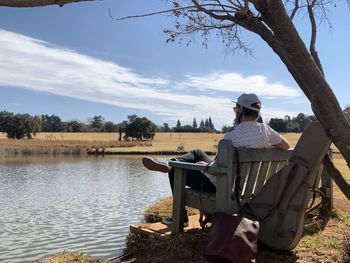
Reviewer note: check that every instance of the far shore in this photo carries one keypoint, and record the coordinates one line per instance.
(108, 143)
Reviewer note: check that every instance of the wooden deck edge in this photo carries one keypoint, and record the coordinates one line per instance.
(161, 231)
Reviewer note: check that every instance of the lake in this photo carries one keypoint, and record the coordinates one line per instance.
(84, 204)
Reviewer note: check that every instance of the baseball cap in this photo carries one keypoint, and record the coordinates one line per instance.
(247, 101)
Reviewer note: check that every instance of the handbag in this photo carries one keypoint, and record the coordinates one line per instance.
(232, 238)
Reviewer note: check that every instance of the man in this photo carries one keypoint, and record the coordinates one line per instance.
(248, 133)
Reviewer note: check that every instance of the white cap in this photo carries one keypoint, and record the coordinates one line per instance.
(247, 100)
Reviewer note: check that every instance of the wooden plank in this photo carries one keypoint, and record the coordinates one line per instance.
(272, 169)
(253, 173)
(178, 200)
(204, 202)
(244, 171)
(262, 155)
(224, 183)
(161, 231)
(197, 167)
(262, 176)
(280, 165)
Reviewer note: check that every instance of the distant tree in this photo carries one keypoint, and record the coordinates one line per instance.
(121, 128)
(51, 123)
(210, 123)
(5, 119)
(178, 124)
(97, 122)
(226, 128)
(206, 123)
(194, 124)
(201, 124)
(109, 127)
(288, 122)
(36, 124)
(17, 126)
(74, 126)
(278, 125)
(300, 119)
(139, 128)
(166, 127)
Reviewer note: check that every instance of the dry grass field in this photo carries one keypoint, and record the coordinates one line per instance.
(64, 143)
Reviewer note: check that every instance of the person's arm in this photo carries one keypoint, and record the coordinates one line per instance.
(277, 140)
(284, 144)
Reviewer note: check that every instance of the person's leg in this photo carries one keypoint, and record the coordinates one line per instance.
(193, 157)
(190, 157)
(195, 180)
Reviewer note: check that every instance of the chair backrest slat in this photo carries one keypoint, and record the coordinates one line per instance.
(253, 173)
(244, 171)
(262, 176)
(272, 169)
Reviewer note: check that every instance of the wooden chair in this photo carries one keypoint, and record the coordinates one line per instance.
(256, 167)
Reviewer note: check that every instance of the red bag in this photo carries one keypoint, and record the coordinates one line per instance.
(232, 238)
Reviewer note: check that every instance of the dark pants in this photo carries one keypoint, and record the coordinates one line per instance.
(194, 179)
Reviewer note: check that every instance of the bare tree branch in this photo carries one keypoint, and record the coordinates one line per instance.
(153, 13)
(313, 51)
(31, 3)
(296, 7)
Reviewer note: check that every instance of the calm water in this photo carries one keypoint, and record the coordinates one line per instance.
(49, 205)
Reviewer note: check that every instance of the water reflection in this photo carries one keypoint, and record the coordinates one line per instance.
(74, 204)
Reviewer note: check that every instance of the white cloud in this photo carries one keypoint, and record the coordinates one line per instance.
(235, 82)
(37, 65)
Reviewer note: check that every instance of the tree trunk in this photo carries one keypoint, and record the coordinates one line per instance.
(31, 3)
(337, 177)
(288, 45)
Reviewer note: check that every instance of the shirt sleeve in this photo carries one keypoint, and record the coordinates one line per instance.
(274, 137)
(227, 136)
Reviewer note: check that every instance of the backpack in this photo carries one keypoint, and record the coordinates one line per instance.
(281, 204)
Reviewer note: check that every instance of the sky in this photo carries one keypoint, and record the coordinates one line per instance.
(77, 62)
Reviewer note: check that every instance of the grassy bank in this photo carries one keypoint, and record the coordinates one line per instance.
(64, 145)
(328, 244)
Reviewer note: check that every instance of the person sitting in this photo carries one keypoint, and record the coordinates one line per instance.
(248, 133)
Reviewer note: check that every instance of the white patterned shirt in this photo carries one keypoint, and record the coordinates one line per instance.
(251, 134)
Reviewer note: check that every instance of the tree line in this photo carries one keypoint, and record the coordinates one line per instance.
(18, 126)
(206, 125)
(298, 123)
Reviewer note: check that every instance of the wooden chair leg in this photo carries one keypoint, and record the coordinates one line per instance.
(178, 201)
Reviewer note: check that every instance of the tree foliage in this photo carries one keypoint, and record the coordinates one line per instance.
(19, 126)
(139, 128)
(51, 123)
(97, 122)
(295, 124)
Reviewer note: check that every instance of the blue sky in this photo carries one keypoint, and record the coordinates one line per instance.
(77, 62)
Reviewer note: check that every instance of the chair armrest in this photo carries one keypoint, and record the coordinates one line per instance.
(198, 167)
